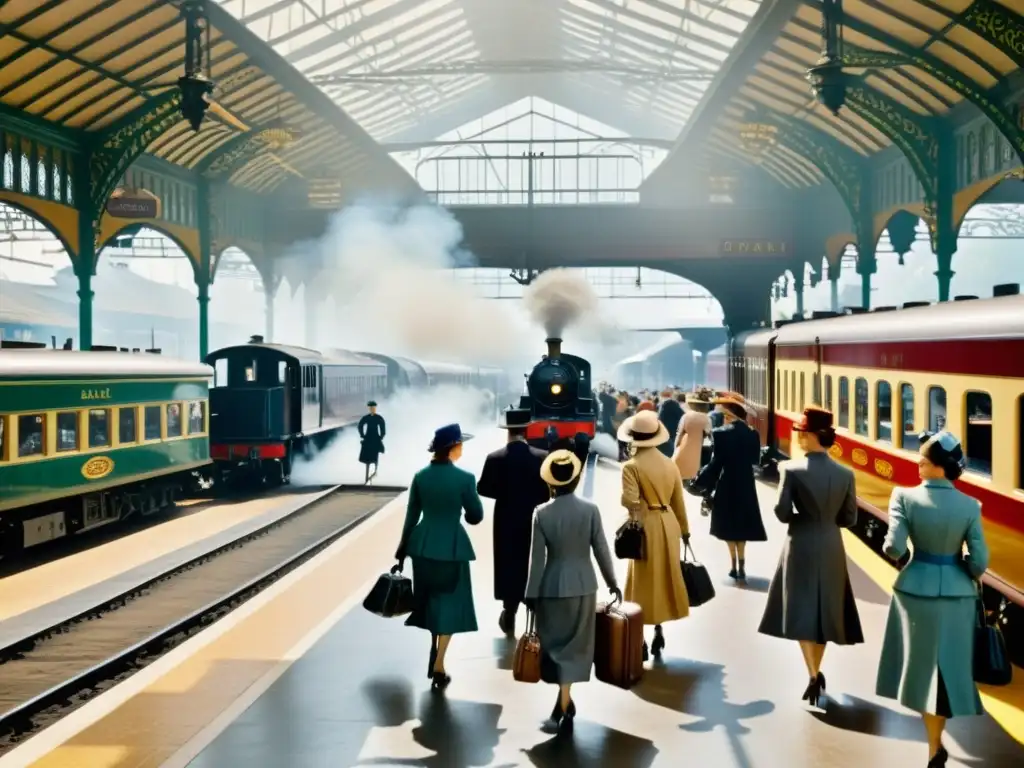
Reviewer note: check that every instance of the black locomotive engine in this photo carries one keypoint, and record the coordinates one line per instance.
(560, 400)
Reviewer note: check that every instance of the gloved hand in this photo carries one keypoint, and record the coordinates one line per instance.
(400, 554)
(616, 593)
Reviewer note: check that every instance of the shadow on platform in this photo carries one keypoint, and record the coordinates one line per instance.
(593, 746)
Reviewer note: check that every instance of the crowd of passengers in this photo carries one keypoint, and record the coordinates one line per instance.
(702, 442)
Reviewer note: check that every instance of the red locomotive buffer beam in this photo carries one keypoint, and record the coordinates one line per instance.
(244, 452)
(537, 430)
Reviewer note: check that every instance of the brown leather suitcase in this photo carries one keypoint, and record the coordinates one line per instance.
(619, 644)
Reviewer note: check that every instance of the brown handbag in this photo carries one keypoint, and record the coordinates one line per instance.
(526, 661)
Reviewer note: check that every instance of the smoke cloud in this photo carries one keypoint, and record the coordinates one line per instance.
(386, 270)
(606, 446)
(560, 298)
(411, 416)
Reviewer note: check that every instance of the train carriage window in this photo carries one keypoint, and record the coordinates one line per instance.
(978, 413)
(3, 438)
(127, 426)
(778, 389)
(883, 392)
(792, 391)
(151, 422)
(802, 402)
(196, 418)
(909, 441)
(282, 372)
(860, 406)
(30, 435)
(1020, 441)
(220, 372)
(99, 428)
(250, 372)
(67, 431)
(174, 425)
(936, 409)
(828, 393)
(816, 388)
(844, 402)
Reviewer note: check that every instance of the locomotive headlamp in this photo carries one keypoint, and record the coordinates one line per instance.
(556, 389)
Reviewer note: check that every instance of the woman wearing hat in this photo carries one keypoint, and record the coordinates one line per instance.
(440, 549)
(562, 588)
(653, 494)
(810, 599)
(372, 430)
(694, 427)
(927, 650)
(735, 513)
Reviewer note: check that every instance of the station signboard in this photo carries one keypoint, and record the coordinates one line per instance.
(754, 247)
(134, 204)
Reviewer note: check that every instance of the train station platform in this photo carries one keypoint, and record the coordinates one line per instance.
(302, 677)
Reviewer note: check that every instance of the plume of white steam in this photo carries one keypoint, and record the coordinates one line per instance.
(560, 298)
(411, 416)
(606, 446)
(387, 271)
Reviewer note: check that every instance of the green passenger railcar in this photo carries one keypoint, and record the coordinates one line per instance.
(88, 438)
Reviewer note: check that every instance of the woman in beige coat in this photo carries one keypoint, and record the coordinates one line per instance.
(652, 493)
(695, 426)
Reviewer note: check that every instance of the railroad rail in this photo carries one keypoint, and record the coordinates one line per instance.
(45, 676)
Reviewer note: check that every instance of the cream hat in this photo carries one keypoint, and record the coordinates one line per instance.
(560, 468)
(643, 430)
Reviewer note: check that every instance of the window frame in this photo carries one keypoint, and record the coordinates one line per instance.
(56, 432)
(88, 429)
(878, 413)
(867, 408)
(966, 437)
(843, 414)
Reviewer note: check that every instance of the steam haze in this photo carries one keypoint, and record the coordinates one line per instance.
(558, 299)
(410, 416)
(386, 269)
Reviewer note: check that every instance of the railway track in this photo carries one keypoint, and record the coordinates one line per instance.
(46, 676)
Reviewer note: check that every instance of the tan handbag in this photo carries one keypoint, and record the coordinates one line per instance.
(526, 660)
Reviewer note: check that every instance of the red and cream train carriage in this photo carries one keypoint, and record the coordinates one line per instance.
(887, 375)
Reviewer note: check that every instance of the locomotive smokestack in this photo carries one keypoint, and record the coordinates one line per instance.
(554, 347)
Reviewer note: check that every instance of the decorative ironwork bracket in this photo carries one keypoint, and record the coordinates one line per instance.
(236, 153)
(997, 25)
(524, 276)
(121, 145)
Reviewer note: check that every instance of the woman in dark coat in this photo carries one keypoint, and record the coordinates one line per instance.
(372, 430)
(440, 548)
(735, 513)
(810, 599)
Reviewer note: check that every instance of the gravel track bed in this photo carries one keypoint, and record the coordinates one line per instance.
(74, 648)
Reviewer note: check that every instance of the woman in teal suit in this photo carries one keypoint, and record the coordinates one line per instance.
(928, 649)
(440, 549)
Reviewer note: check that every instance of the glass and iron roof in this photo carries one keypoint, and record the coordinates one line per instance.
(391, 64)
(91, 65)
(931, 30)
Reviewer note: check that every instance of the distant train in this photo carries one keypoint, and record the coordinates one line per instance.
(272, 403)
(559, 395)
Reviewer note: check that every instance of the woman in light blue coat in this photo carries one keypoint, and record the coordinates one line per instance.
(928, 650)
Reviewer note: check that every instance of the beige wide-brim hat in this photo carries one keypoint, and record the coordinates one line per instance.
(644, 430)
(560, 467)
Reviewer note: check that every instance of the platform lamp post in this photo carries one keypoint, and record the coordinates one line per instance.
(196, 84)
(828, 80)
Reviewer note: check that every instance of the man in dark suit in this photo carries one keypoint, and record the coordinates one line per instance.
(608, 404)
(670, 413)
(511, 476)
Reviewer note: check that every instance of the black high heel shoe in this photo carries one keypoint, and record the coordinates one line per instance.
(659, 642)
(565, 727)
(821, 681)
(741, 574)
(940, 758)
(560, 720)
(813, 691)
(439, 681)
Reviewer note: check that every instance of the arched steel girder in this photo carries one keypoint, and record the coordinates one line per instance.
(997, 25)
(122, 143)
(237, 152)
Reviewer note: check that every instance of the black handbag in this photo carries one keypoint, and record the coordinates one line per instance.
(391, 596)
(630, 541)
(991, 662)
(698, 582)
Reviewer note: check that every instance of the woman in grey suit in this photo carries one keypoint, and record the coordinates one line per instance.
(562, 588)
(810, 599)
(928, 649)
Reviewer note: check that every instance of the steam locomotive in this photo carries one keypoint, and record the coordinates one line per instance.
(560, 399)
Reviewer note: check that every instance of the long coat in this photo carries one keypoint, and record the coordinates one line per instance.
(735, 513)
(511, 476)
(440, 548)
(653, 494)
(810, 597)
(689, 443)
(372, 430)
(670, 413)
(929, 636)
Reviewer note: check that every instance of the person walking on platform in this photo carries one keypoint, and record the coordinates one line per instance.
(372, 430)
(670, 412)
(810, 599)
(690, 454)
(652, 493)
(440, 548)
(927, 650)
(562, 590)
(511, 476)
(735, 513)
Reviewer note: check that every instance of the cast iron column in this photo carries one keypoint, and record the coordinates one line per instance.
(85, 261)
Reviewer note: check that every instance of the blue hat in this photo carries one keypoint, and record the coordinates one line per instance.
(448, 436)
